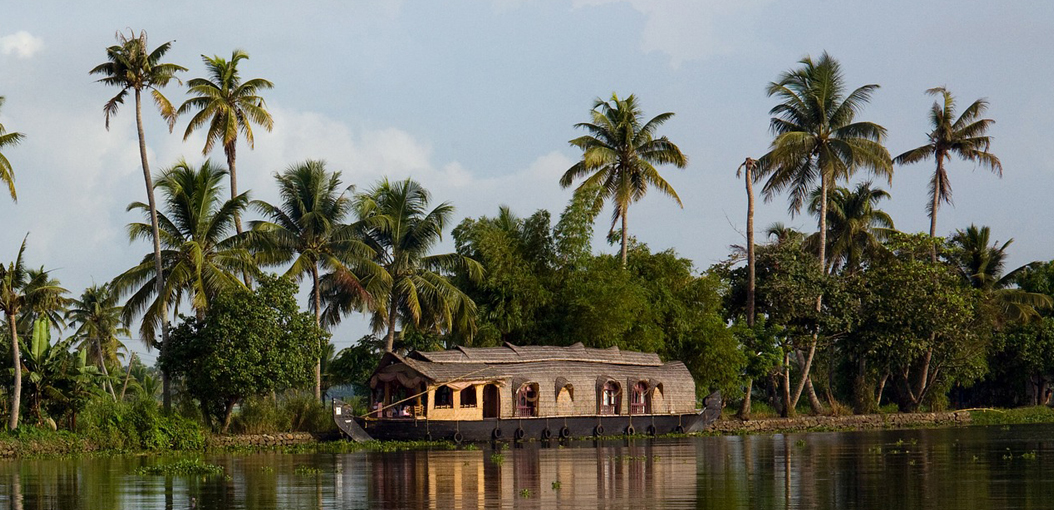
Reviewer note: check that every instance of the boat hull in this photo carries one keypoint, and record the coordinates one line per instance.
(537, 428)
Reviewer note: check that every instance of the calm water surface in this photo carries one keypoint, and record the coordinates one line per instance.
(966, 468)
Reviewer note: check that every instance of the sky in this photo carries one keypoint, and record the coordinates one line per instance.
(477, 100)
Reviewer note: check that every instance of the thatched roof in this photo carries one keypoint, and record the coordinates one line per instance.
(521, 364)
(510, 353)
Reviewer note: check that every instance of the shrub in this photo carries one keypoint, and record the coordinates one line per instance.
(138, 425)
(259, 415)
(305, 414)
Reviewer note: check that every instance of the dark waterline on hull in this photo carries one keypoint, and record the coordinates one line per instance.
(969, 467)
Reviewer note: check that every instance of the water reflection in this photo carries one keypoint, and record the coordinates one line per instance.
(962, 468)
(532, 476)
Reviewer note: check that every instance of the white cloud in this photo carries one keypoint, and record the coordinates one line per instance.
(21, 43)
(366, 155)
(689, 30)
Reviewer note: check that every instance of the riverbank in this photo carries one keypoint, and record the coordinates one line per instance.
(842, 423)
(30, 442)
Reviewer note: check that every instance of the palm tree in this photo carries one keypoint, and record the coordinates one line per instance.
(130, 66)
(983, 265)
(855, 225)
(201, 255)
(818, 137)
(747, 170)
(7, 174)
(229, 106)
(22, 290)
(98, 319)
(619, 156)
(307, 229)
(394, 220)
(965, 137)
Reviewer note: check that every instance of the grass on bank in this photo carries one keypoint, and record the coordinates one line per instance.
(1021, 415)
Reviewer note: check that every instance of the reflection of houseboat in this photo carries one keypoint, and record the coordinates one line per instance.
(514, 392)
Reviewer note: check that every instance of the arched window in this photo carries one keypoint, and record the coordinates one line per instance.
(468, 397)
(610, 398)
(527, 400)
(444, 397)
(638, 403)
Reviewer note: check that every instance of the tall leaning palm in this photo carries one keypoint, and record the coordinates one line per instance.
(97, 317)
(229, 106)
(395, 220)
(819, 139)
(965, 137)
(20, 291)
(131, 66)
(202, 255)
(619, 156)
(7, 174)
(308, 229)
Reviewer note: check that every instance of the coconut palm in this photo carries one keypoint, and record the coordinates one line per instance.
(747, 170)
(983, 265)
(97, 317)
(131, 66)
(7, 174)
(819, 138)
(229, 106)
(307, 229)
(202, 255)
(396, 222)
(619, 156)
(965, 137)
(22, 290)
(856, 227)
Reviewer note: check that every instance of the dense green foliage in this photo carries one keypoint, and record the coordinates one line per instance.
(138, 425)
(854, 314)
(543, 286)
(247, 343)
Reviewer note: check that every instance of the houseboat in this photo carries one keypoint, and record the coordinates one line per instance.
(527, 392)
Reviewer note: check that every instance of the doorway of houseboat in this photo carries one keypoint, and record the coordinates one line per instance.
(491, 401)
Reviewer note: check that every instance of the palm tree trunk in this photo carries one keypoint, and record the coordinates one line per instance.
(159, 278)
(105, 372)
(16, 394)
(819, 301)
(788, 409)
(625, 234)
(228, 412)
(935, 204)
(750, 247)
(389, 339)
(318, 326)
(127, 376)
(231, 151)
(744, 409)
